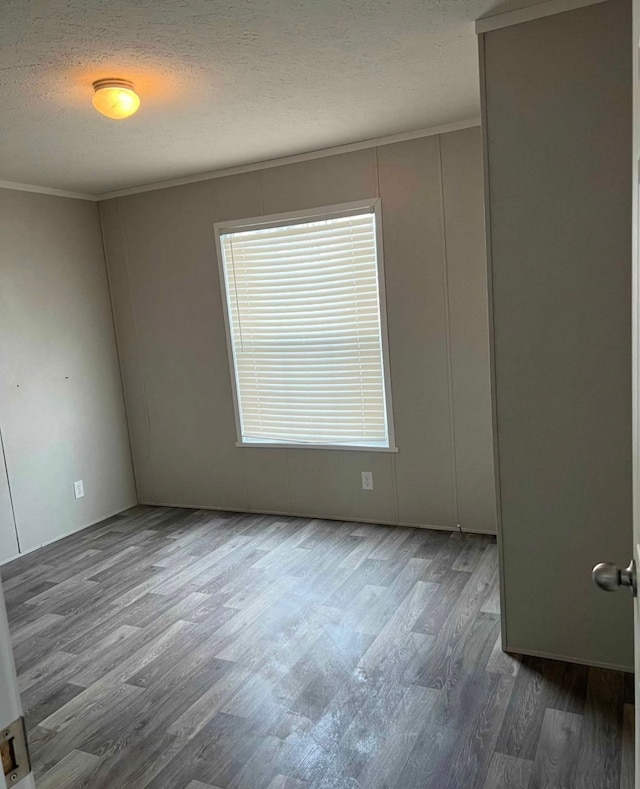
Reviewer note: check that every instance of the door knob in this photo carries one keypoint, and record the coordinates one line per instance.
(610, 578)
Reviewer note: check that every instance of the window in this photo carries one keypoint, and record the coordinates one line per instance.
(306, 328)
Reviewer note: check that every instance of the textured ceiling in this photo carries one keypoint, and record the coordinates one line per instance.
(223, 82)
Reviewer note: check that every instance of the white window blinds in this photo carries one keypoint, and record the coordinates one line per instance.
(303, 308)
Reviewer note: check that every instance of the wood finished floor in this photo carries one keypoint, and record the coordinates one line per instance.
(188, 650)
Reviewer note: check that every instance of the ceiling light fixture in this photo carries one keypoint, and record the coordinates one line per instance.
(115, 98)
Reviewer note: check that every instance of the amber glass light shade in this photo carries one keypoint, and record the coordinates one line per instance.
(115, 98)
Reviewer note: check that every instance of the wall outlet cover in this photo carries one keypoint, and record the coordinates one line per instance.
(367, 480)
(78, 489)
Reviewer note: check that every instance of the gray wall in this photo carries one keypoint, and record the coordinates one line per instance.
(61, 406)
(169, 322)
(558, 138)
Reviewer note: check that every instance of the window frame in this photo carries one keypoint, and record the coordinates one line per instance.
(370, 205)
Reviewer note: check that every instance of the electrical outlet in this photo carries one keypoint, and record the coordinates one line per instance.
(367, 480)
(78, 489)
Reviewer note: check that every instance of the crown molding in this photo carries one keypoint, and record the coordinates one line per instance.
(294, 159)
(46, 190)
(246, 168)
(528, 14)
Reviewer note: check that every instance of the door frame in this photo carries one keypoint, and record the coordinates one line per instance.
(635, 362)
(10, 703)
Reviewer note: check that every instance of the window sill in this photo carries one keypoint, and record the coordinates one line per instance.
(342, 447)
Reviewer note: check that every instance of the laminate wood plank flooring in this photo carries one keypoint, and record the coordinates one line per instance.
(167, 648)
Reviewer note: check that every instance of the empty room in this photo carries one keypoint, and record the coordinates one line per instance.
(319, 394)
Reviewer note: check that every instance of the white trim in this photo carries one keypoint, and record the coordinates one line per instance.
(340, 447)
(69, 533)
(374, 206)
(299, 157)
(446, 303)
(635, 355)
(492, 350)
(46, 190)
(224, 294)
(301, 216)
(530, 13)
(320, 153)
(384, 330)
(10, 702)
(341, 518)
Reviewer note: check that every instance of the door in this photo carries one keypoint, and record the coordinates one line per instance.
(608, 576)
(628, 577)
(11, 735)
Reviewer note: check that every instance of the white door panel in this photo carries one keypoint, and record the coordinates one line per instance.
(10, 705)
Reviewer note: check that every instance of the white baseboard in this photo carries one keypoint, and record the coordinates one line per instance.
(68, 533)
(317, 516)
(249, 512)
